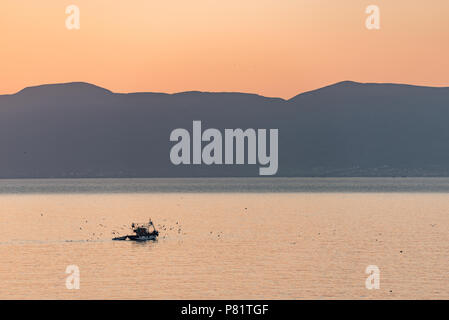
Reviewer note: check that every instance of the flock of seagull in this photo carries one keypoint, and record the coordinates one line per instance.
(176, 228)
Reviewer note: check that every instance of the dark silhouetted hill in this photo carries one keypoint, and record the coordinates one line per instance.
(346, 129)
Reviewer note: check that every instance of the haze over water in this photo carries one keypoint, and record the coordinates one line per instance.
(225, 238)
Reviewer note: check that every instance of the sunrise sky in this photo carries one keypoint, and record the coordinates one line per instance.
(271, 47)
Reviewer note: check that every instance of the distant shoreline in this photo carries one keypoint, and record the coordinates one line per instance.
(224, 185)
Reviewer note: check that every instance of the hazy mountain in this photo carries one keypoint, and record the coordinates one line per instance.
(347, 129)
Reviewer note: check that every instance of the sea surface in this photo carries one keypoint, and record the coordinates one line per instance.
(233, 238)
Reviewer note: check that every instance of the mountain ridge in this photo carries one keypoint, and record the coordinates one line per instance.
(91, 86)
(346, 129)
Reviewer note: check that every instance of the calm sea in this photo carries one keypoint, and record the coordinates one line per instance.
(226, 238)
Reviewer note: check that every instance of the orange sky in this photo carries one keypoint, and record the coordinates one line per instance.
(271, 47)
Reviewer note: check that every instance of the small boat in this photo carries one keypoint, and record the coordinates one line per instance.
(142, 232)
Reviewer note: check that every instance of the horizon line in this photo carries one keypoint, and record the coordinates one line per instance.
(343, 82)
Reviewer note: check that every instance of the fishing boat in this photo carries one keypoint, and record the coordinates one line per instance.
(141, 232)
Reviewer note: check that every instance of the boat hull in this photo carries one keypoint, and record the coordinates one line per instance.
(136, 238)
